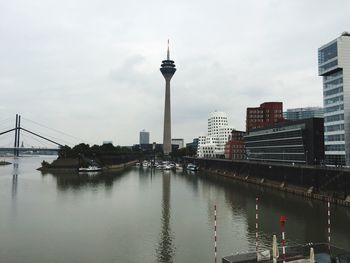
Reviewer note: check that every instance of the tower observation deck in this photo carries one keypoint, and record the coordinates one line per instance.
(168, 70)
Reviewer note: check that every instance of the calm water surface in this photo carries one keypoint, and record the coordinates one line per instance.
(141, 216)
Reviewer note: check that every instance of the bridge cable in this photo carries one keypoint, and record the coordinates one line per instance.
(6, 124)
(41, 137)
(54, 138)
(25, 135)
(44, 126)
(5, 142)
(3, 120)
(1, 133)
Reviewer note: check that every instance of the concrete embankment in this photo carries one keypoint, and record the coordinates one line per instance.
(119, 166)
(314, 182)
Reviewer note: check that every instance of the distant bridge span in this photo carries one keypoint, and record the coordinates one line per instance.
(25, 149)
(16, 149)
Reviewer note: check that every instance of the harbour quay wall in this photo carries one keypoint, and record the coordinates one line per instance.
(318, 182)
(120, 166)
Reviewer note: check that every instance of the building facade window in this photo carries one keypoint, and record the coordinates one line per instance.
(334, 63)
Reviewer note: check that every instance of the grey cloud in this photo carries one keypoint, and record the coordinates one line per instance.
(96, 64)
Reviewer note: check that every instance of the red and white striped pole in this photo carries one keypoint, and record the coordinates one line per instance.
(329, 224)
(256, 224)
(215, 237)
(283, 223)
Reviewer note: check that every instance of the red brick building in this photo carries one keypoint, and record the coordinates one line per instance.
(266, 115)
(235, 148)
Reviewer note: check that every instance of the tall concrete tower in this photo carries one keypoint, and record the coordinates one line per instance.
(168, 70)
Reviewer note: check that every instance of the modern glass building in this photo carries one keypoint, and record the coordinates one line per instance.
(193, 145)
(144, 137)
(303, 113)
(299, 142)
(334, 67)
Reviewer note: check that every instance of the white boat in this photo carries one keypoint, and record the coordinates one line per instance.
(160, 166)
(138, 164)
(168, 167)
(91, 168)
(178, 167)
(145, 164)
(192, 167)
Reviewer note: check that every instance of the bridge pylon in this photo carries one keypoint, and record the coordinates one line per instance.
(17, 135)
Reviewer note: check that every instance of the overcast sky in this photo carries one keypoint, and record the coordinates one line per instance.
(91, 68)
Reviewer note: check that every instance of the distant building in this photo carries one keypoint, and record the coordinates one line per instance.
(193, 145)
(212, 145)
(235, 147)
(334, 67)
(266, 115)
(144, 137)
(151, 148)
(179, 142)
(299, 142)
(303, 113)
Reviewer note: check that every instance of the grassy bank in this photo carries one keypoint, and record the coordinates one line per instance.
(73, 164)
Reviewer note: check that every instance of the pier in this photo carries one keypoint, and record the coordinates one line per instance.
(297, 254)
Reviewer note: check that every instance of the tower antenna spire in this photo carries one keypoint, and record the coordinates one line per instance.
(168, 52)
(168, 69)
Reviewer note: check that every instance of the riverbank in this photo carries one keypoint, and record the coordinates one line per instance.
(320, 183)
(68, 165)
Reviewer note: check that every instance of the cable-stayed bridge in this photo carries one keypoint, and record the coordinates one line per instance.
(20, 133)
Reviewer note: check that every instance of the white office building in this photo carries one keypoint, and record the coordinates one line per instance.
(334, 67)
(213, 144)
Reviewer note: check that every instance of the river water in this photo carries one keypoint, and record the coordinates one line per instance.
(137, 215)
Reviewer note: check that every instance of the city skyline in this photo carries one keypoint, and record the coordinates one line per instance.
(100, 67)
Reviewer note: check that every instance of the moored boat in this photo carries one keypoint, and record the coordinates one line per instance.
(160, 166)
(145, 164)
(168, 167)
(90, 168)
(178, 167)
(192, 167)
